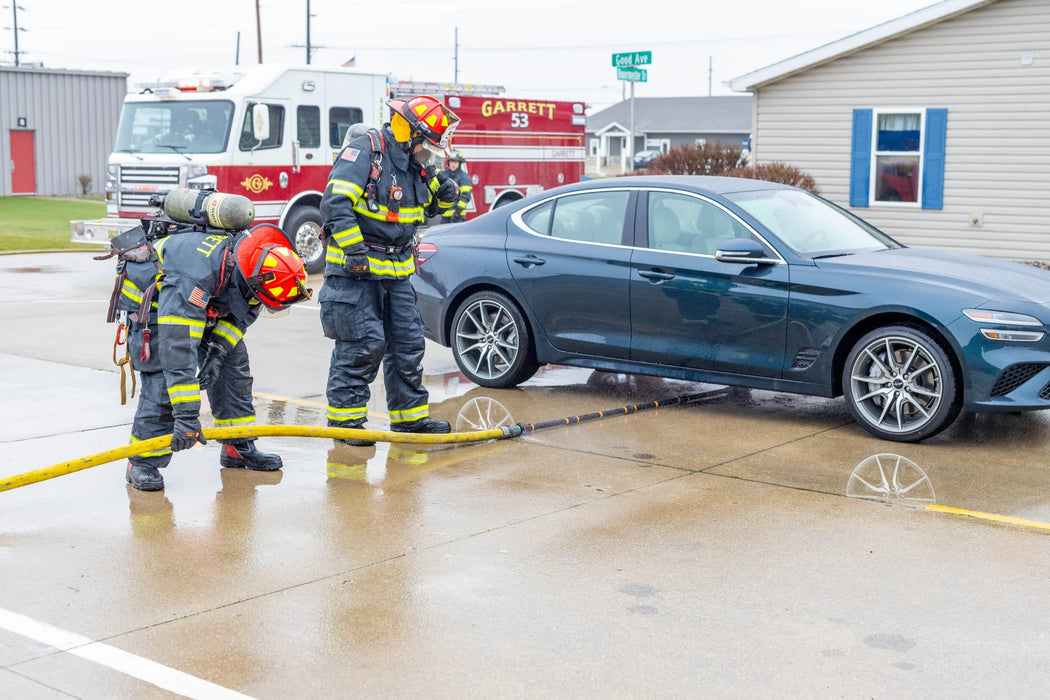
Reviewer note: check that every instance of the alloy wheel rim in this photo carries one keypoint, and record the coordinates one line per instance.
(487, 339)
(308, 241)
(897, 384)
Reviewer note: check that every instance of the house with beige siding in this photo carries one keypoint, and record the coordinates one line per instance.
(935, 126)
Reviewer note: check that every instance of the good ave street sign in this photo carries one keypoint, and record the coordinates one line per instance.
(634, 58)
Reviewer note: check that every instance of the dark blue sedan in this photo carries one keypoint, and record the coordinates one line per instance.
(737, 282)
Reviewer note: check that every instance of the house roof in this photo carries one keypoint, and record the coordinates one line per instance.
(855, 42)
(729, 114)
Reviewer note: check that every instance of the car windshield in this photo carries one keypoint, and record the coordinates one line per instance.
(174, 127)
(811, 226)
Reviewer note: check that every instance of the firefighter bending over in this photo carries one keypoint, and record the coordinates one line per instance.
(457, 171)
(382, 186)
(198, 296)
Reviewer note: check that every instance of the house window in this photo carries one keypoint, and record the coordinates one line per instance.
(897, 157)
(700, 143)
(592, 145)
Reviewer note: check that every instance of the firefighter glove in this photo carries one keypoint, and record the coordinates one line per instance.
(186, 433)
(356, 265)
(448, 192)
(212, 365)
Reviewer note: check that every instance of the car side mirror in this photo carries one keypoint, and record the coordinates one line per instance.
(743, 250)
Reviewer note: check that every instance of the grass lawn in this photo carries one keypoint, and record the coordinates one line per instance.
(40, 223)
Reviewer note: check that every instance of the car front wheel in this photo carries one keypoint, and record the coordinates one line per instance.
(491, 341)
(900, 385)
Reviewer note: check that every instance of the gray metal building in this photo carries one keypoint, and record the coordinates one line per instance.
(56, 125)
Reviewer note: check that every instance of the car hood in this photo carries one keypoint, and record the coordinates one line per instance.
(990, 277)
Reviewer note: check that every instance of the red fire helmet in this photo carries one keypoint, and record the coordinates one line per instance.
(269, 264)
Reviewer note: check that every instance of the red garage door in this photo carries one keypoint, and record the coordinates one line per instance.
(23, 170)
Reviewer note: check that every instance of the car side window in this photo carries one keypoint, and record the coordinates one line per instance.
(686, 224)
(539, 219)
(594, 217)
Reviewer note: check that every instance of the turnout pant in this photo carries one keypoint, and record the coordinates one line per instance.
(373, 322)
(230, 399)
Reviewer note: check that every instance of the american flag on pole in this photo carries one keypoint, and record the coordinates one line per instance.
(199, 298)
(351, 63)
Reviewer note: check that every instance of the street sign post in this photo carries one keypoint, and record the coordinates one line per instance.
(625, 63)
(633, 58)
(635, 75)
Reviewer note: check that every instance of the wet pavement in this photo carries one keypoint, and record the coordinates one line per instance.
(752, 544)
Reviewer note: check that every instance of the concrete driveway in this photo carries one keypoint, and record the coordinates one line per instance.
(751, 544)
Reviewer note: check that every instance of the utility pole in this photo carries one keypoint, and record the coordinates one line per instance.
(307, 32)
(455, 57)
(237, 51)
(258, 29)
(710, 70)
(15, 7)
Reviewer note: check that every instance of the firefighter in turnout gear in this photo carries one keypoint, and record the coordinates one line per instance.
(381, 188)
(456, 170)
(189, 307)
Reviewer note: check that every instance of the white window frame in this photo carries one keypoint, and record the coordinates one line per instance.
(594, 147)
(873, 173)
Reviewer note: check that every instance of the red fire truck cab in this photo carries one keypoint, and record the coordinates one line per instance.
(271, 133)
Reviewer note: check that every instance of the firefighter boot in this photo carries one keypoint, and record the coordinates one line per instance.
(144, 478)
(241, 455)
(354, 442)
(423, 425)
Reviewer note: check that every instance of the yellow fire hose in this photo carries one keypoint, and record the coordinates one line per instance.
(254, 431)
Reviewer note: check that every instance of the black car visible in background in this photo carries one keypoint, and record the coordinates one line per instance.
(642, 159)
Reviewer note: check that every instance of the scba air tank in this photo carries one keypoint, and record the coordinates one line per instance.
(205, 207)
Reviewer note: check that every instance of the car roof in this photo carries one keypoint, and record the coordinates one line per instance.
(704, 184)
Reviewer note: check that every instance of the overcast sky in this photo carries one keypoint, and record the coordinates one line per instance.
(545, 49)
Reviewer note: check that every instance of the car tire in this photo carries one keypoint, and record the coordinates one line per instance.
(900, 384)
(304, 229)
(491, 341)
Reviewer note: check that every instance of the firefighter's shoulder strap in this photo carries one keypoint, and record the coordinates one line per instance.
(375, 170)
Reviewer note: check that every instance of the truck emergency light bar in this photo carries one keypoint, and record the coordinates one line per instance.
(194, 84)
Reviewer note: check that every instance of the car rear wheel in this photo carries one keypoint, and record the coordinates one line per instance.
(900, 384)
(491, 341)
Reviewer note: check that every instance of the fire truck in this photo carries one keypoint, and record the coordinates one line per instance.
(271, 134)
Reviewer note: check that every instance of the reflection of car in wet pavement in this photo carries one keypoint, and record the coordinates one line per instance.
(737, 282)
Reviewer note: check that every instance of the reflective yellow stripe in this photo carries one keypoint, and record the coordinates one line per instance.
(348, 237)
(391, 268)
(345, 414)
(407, 215)
(184, 393)
(131, 291)
(228, 332)
(196, 327)
(466, 188)
(157, 453)
(410, 414)
(346, 188)
(223, 422)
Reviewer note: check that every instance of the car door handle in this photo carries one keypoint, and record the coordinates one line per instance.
(656, 275)
(529, 260)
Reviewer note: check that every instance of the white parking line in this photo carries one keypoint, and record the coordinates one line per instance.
(116, 659)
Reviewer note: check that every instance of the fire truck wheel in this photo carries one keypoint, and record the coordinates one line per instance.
(304, 228)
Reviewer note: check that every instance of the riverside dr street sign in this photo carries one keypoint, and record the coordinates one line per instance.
(634, 58)
(635, 75)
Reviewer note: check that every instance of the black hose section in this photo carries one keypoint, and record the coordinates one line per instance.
(526, 428)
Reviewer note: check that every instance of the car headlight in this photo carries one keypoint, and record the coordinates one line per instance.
(1006, 318)
(1002, 318)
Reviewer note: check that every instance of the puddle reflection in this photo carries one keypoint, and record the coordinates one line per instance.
(891, 478)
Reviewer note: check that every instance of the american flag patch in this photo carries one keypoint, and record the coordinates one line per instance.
(350, 154)
(199, 298)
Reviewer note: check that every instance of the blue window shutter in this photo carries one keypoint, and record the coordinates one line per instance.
(933, 159)
(860, 159)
